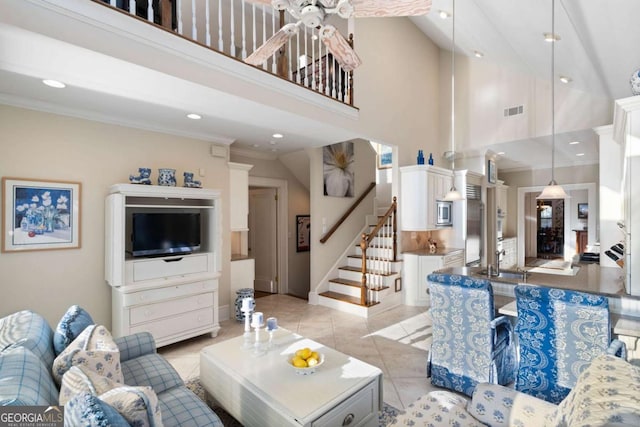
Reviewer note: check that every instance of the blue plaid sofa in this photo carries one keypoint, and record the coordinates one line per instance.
(29, 350)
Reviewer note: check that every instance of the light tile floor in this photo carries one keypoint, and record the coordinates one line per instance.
(396, 341)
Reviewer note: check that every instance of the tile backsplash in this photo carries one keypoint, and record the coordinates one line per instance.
(414, 240)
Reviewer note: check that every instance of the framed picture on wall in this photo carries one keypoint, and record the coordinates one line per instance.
(384, 156)
(491, 171)
(303, 233)
(40, 214)
(583, 210)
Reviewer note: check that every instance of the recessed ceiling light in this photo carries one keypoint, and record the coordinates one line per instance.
(278, 135)
(565, 79)
(478, 54)
(54, 83)
(256, 145)
(574, 142)
(550, 37)
(580, 154)
(443, 14)
(501, 153)
(194, 116)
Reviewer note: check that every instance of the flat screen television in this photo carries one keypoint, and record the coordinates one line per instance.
(157, 234)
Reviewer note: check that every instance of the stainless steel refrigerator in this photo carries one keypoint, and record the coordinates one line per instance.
(474, 216)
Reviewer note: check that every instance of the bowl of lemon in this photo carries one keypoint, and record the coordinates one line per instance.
(305, 361)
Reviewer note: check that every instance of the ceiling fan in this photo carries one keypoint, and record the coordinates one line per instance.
(312, 14)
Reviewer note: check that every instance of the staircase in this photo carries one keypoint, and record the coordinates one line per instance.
(383, 275)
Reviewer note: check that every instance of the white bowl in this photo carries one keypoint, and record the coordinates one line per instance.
(305, 371)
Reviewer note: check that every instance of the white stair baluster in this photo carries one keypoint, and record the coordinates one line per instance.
(112, 3)
(207, 13)
(274, 60)
(290, 71)
(306, 58)
(339, 72)
(150, 11)
(194, 30)
(220, 41)
(320, 87)
(179, 15)
(264, 31)
(313, 63)
(253, 10)
(244, 33)
(298, 68)
(232, 46)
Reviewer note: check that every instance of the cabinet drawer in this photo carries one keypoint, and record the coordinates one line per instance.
(355, 411)
(149, 269)
(178, 324)
(146, 313)
(156, 295)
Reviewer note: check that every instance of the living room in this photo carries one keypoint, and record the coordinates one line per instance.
(48, 141)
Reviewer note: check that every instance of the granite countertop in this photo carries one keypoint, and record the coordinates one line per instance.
(439, 251)
(591, 278)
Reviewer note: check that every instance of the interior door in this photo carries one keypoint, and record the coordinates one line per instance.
(263, 242)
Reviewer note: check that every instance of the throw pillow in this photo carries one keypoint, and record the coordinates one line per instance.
(138, 405)
(606, 393)
(73, 322)
(93, 349)
(79, 379)
(88, 410)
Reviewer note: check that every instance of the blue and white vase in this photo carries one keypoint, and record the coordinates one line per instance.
(167, 177)
(240, 295)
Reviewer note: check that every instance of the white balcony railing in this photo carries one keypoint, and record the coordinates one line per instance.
(237, 28)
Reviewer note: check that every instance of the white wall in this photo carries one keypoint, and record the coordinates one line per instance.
(47, 146)
(323, 256)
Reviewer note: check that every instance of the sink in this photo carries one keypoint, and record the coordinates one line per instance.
(506, 275)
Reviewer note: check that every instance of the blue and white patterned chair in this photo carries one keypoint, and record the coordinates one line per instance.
(470, 345)
(559, 333)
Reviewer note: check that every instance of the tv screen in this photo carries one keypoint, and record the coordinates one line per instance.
(156, 234)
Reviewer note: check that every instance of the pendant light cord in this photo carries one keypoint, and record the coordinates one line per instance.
(553, 92)
(453, 93)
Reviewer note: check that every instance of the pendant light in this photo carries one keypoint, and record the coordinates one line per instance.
(453, 193)
(553, 190)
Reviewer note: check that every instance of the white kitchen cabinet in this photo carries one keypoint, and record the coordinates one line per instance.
(239, 196)
(421, 186)
(173, 297)
(418, 265)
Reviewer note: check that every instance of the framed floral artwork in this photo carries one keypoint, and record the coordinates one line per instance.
(40, 214)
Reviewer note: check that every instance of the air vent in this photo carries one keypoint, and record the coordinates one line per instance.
(513, 111)
(474, 192)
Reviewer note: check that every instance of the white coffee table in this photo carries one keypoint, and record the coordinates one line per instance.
(263, 390)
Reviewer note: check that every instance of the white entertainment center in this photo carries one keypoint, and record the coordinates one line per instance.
(173, 297)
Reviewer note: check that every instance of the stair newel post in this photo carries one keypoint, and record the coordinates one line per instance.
(395, 228)
(364, 243)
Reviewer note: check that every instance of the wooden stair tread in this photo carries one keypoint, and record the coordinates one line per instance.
(346, 298)
(358, 269)
(354, 283)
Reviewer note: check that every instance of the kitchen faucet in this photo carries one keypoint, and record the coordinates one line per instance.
(497, 269)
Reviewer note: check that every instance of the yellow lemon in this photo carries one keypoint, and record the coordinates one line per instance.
(298, 362)
(312, 362)
(304, 353)
(315, 355)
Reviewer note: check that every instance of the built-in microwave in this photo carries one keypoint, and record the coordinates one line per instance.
(443, 213)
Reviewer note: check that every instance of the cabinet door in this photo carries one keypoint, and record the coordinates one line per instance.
(414, 200)
(239, 197)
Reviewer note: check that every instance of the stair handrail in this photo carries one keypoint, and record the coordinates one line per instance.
(347, 213)
(365, 242)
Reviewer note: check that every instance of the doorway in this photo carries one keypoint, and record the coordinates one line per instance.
(550, 229)
(263, 242)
